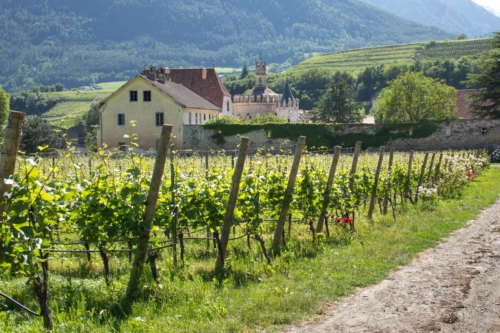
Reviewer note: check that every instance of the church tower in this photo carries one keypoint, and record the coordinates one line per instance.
(288, 107)
(260, 73)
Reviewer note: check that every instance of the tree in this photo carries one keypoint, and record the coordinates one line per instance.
(265, 119)
(4, 110)
(59, 87)
(244, 72)
(90, 121)
(338, 104)
(224, 120)
(38, 133)
(462, 37)
(413, 97)
(486, 103)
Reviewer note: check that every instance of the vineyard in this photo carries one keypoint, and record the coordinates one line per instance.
(355, 61)
(93, 223)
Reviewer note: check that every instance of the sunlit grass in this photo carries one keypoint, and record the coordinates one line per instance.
(254, 296)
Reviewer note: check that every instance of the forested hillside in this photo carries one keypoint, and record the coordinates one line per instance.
(455, 16)
(80, 42)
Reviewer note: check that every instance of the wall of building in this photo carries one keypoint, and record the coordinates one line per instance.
(143, 113)
(455, 134)
(243, 109)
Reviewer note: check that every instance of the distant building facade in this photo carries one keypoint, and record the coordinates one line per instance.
(261, 100)
(152, 100)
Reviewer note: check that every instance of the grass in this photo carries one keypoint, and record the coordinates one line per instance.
(254, 296)
(111, 85)
(71, 106)
(356, 61)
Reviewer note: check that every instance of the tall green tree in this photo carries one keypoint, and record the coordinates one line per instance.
(4, 110)
(244, 72)
(338, 105)
(413, 97)
(486, 103)
(38, 133)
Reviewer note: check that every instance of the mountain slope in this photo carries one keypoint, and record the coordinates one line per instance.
(77, 42)
(355, 61)
(455, 16)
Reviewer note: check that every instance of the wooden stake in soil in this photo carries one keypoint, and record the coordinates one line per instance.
(355, 158)
(438, 167)
(389, 169)
(142, 245)
(328, 189)
(9, 152)
(375, 183)
(175, 212)
(233, 195)
(429, 173)
(422, 173)
(408, 177)
(288, 196)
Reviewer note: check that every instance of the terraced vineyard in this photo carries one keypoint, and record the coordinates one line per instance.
(356, 60)
(71, 105)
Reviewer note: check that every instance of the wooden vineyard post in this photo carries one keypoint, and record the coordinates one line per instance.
(328, 189)
(142, 245)
(429, 174)
(9, 152)
(354, 168)
(233, 195)
(389, 169)
(408, 177)
(375, 183)
(206, 177)
(278, 233)
(422, 173)
(175, 211)
(438, 167)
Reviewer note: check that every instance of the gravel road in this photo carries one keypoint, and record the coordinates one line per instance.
(454, 287)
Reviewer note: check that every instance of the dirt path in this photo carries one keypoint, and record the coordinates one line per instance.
(454, 287)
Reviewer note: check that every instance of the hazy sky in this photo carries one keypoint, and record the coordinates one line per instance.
(493, 4)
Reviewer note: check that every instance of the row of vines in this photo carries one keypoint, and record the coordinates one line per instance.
(94, 205)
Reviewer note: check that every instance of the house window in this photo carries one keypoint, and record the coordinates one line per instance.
(196, 118)
(133, 95)
(204, 117)
(146, 95)
(159, 118)
(227, 106)
(189, 116)
(121, 119)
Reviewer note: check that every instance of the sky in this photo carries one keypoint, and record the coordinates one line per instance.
(493, 4)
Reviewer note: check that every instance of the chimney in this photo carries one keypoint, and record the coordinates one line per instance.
(164, 75)
(204, 74)
(152, 73)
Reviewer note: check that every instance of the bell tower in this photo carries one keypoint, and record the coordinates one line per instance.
(260, 73)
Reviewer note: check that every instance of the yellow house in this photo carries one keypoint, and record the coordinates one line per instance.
(150, 104)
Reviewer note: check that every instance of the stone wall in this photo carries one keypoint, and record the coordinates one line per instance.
(454, 134)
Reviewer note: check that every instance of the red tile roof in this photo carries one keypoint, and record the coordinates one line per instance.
(211, 88)
(183, 95)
